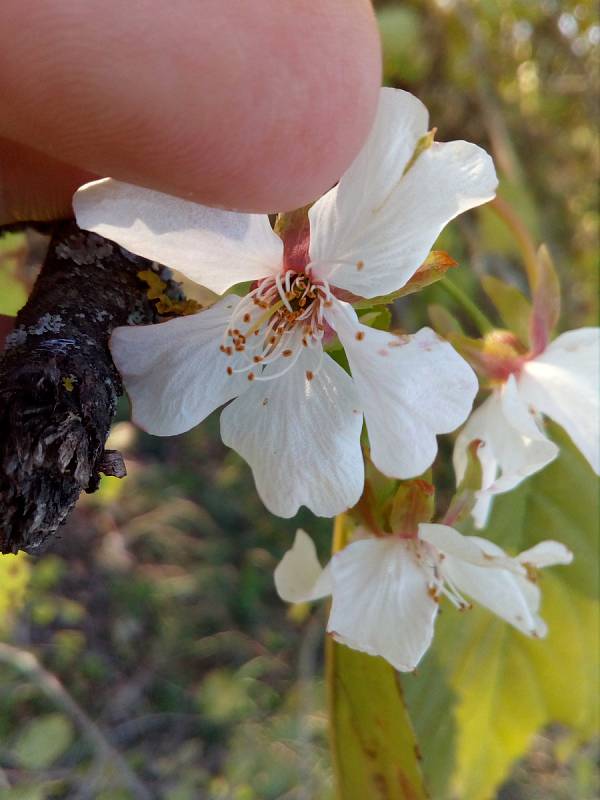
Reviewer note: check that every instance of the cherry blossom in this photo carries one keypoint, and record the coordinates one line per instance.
(296, 416)
(561, 382)
(386, 590)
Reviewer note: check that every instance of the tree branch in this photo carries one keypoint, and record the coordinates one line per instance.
(58, 384)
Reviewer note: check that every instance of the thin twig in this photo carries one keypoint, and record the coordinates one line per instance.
(27, 664)
(478, 317)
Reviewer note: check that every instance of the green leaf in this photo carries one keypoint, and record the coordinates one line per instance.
(43, 741)
(511, 304)
(505, 685)
(373, 744)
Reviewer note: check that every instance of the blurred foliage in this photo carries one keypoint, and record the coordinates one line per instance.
(156, 609)
(14, 577)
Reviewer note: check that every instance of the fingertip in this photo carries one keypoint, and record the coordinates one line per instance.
(256, 106)
(34, 186)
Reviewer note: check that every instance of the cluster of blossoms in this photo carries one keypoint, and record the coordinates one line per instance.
(292, 412)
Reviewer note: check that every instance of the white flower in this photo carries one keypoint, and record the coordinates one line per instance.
(563, 383)
(297, 415)
(385, 591)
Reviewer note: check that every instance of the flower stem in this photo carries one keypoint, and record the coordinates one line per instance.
(337, 544)
(522, 236)
(339, 534)
(477, 316)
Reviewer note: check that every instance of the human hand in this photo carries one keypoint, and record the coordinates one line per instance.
(258, 106)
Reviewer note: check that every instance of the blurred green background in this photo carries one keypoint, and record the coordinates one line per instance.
(156, 608)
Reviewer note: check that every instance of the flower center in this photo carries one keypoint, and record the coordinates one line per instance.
(274, 322)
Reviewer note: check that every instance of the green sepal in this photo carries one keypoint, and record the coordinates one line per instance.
(431, 270)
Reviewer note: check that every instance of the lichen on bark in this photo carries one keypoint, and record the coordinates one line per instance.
(58, 384)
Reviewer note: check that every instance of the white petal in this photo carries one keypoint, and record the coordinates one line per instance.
(546, 554)
(381, 223)
(481, 509)
(471, 549)
(509, 596)
(512, 446)
(381, 600)
(212, 247)
(174, 372)
(301, 437)
(564, 383)
(411, 389)
(299, 578)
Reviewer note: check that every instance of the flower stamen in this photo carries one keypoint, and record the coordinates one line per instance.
(291, 317)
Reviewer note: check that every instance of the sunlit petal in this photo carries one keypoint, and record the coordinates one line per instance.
(546, 554)
(411, 388)
(215, 248)
(564, 383)
(508, 595)
(299, 577)
(512, 445)
(371, 232)
(382, 600)
(300, 433)
(174, 372)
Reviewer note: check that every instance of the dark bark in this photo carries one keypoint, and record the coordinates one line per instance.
(58, 385)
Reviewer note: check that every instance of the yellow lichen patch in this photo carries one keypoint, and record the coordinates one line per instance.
(14, 577)
(69, 382)
(165, 305)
